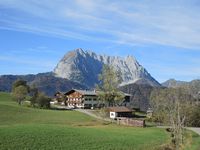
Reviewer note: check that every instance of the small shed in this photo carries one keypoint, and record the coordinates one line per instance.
(149, 113)
(120, 111)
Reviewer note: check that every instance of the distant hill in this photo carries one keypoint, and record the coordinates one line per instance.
(173, 83)
(140, 94)
(46, 82)
(193, 86)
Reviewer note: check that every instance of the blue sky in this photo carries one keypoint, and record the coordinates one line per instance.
(164, 36)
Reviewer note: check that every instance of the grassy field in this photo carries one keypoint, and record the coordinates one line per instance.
(194, 142)
(28, 128)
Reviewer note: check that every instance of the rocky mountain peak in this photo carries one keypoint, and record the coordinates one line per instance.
(84, 66)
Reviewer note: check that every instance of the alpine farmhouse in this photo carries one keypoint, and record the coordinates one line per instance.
(85, 99)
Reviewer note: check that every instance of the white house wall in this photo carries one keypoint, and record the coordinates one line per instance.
(113, 115)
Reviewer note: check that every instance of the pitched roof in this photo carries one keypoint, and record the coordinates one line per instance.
(84, 92)
(87, 92)
(126, 94)
(119, 109)
(90, 92)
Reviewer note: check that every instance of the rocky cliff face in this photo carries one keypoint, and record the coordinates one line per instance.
(84, 67)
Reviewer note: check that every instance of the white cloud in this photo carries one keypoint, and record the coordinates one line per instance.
(28, 61)
(172, 23)
(86, 5)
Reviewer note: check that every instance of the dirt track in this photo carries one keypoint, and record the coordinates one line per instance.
(196, 130)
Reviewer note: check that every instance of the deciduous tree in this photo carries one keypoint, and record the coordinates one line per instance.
(171, 105)
(108, 87)
(18, 83)
(34, 93)
(19, 93)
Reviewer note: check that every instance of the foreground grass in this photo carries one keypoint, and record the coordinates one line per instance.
(29, 128)
(34, 136)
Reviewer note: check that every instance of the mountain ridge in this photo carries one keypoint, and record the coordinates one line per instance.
(45, 82)
(173, 83)
(192, 86)
(85, 66)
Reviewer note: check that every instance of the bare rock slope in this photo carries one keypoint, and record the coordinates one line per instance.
(84, 66)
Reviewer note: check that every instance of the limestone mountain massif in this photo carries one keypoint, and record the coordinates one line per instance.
(85, 66)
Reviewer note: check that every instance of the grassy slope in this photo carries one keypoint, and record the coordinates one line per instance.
(11, 113)
(28, 128)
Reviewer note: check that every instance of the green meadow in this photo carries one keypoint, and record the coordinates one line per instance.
(23, 127)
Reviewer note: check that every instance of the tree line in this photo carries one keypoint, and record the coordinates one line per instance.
(21, 91)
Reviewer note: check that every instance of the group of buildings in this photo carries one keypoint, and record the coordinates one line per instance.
(85, 98)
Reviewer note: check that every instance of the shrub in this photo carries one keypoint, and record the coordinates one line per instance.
(43, 101)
